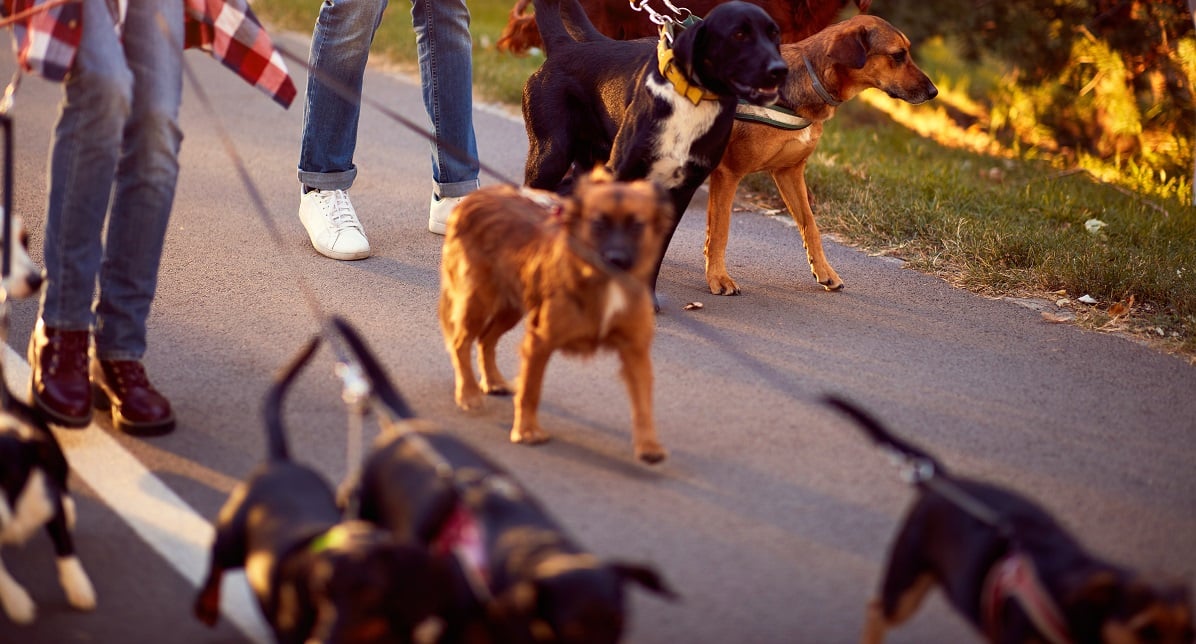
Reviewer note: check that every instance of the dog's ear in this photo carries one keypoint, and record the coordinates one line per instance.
(664, 208)
(645, 576)
(850, 49)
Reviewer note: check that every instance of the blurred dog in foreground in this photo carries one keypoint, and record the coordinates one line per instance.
(33, 468)
(518, 576)
(317, 578)
(1008, 567)
(575, 268)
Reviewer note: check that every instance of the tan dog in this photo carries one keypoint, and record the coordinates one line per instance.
(578, 267)
(825, 70)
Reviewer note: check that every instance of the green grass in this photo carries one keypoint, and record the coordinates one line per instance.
(993, 224)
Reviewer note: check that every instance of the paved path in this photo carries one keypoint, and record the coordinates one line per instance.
(772, 516)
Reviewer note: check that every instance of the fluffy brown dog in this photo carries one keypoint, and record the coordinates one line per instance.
(796, 18)
(825, 70)
(577, 266)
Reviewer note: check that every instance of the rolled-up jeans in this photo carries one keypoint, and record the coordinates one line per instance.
(339, 51)
(114, 159)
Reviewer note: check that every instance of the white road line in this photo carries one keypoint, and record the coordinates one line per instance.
(164, 521)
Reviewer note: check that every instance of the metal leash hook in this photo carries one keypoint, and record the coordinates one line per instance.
(355, 392)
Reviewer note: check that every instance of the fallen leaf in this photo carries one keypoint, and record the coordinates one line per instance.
(692, 306)
(1121, 308)
(1062, 302)
(1061, 291)
(1087, 299)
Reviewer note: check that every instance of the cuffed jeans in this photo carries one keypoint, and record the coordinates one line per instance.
(339, 50)
(114, 157)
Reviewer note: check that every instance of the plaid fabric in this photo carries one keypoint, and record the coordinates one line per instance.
(47, 40)
(227, 29)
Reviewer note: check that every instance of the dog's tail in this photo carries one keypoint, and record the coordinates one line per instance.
(923, 464)
(276, 440)
(383, 389)
(561, 22)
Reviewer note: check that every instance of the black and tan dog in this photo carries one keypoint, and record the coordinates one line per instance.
(522, 578)
(1008, 567)
(646, 109)
(825, 70)
(579, 276)
(318, 578)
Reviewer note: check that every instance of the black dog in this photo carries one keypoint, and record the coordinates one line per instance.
(1007, 566)
(316, 577)
(33, 493)
(647, 110)
(525, 578)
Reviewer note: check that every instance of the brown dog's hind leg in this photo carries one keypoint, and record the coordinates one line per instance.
(535, 353)
(723, 184)
(791, 182)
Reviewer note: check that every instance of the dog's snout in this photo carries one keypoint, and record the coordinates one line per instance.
(619, 258)
(777, 71)
(932, 92)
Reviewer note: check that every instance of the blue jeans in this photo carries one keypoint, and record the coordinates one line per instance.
(339, 50)
(114, 157)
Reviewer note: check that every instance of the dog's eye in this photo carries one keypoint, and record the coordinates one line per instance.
(898, 57)
(599, 226)
(740, 35)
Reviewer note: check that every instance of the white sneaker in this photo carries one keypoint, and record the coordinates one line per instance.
(439, 211)
(332, 224)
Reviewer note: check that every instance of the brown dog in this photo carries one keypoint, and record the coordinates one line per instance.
(796, 18)
(577, 266)
(825, 70)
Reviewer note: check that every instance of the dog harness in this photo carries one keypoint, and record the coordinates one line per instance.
(462, 537)
(1013, 578)
(672, 73)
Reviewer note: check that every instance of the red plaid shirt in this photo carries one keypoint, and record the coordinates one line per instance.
(226, 29)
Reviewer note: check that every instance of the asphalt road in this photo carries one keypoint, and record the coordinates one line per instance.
(771, 517)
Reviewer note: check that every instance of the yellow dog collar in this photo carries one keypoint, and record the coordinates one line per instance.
(674, 75)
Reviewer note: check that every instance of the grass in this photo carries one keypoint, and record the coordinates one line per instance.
(925, 184)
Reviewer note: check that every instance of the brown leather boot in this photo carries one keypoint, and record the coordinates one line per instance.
(59, 385)
(137, 408)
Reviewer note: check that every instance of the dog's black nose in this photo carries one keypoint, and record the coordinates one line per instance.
(778, 71)
(619, 259)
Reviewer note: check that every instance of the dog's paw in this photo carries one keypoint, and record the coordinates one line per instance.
(651, 452)
(529, 435)
(498, 388)
(79, 592)
(18, 605)
(722, 285)
(469, 401)
(828, 278)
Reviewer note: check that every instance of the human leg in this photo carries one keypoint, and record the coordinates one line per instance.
(84, 153)
(340, 48)
(144, 194)
(445, 50)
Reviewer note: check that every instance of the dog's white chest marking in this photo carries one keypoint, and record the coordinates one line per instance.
(616, 303)
(33, 509)
(678, 133)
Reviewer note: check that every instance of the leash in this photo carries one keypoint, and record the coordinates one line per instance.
(686, 16)
(1013, 575)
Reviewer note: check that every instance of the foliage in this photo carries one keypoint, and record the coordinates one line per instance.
(1106, 78)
